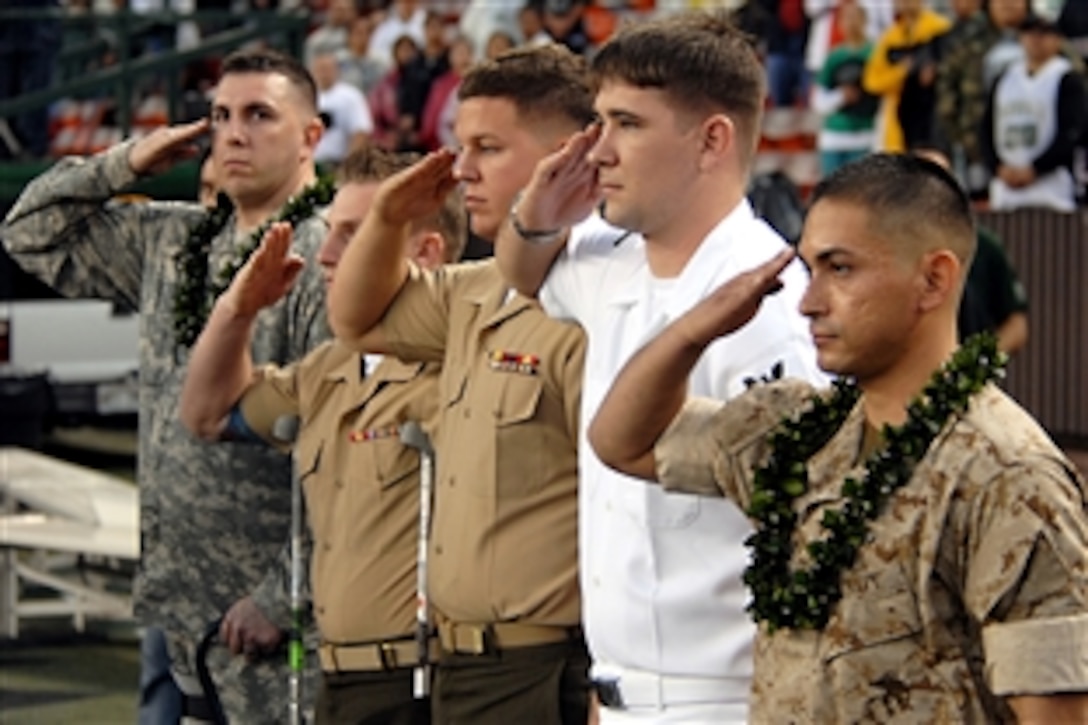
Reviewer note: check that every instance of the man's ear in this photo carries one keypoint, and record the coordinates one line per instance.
(719, 136)
(313, 132)
(941, 273)
(430, 250)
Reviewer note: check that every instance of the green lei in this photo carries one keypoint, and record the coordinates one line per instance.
(194, 296)
(804, 598)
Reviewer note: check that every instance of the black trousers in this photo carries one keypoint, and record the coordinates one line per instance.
(370, 698)
(544, 685)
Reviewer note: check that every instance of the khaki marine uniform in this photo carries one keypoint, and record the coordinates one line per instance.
(504, 543)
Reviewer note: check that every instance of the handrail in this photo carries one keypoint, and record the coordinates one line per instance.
(121, 76)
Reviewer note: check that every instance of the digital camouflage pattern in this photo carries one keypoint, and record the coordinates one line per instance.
(976, 568)
(214, 518)
(961, 93)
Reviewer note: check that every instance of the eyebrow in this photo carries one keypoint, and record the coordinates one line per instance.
(247, 108)
(619, 114)
(823, 255)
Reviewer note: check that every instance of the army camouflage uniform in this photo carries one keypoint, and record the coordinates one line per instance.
(970, 587)
(215, 519)
(961, 97)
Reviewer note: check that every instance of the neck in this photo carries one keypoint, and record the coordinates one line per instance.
(887, 396)
(251, 215)
(1035, 65)
(669, 249)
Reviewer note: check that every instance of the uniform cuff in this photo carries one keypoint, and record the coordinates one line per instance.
(119, 173)
(1054, 647)
(684, 454)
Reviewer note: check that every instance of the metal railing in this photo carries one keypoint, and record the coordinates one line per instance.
(286, 29)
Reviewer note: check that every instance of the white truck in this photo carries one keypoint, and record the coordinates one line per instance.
(87, 352)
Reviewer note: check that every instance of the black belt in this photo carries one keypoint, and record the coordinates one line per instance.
(608, 693)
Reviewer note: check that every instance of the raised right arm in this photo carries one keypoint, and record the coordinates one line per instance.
(220, 368)
(652, 387)
(66, 230)
(374, 267)
(561, 192)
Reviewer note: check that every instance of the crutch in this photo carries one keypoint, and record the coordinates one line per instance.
(285, 430)
(412, 435)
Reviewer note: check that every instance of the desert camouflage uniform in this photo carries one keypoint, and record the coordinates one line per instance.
(214, 518)
(971, 586)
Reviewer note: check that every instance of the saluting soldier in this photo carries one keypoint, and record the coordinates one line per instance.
(361, 484)
(214, 521)
(503, 566)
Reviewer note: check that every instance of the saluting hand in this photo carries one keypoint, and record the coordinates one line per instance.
(268, 274)
(416, 192)
(563, 189)
(735, 303)
(164, 147)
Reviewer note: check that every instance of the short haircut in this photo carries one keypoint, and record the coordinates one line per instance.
(374, 165)
(547, 82)
(266, 60)
(700, 59)
(911, 202)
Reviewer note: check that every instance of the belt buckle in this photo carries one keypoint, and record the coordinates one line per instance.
(387, 653)
(608, 693)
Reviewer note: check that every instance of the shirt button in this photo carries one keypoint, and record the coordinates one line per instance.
(438, 549)
(467, 414)
(326, 546)
(596, 581)
(453, 480)
(321, 610)
(339, 483)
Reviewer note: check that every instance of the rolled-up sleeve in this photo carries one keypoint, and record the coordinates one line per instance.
(711, 447)
(1027, 579)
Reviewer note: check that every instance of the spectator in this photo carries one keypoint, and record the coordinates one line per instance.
(441, 109)
(531, 24)
(1032, 124)
(982, 47)
(902, 68)
(563, 19)
(357, 66)
(417, 76)
(391, 131)
(482, 18)
(405, 17)
(787, 35)
(343, 110)
(847, 132)
(499, 42)
(332, 35)
(825, 30)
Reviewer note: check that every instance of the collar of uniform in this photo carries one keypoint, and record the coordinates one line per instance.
(494, 299)
(391, 369)
(702, 272)
(699, 274)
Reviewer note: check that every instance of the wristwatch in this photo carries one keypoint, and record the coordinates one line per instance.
(533, 236)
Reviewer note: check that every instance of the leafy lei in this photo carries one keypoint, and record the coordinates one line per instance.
(194, 295)
(804, 598)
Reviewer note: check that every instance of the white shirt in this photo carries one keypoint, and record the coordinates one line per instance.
(1024, 126)
(661, 572)
(349, 113)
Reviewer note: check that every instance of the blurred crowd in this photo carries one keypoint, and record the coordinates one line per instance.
(997, 86)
